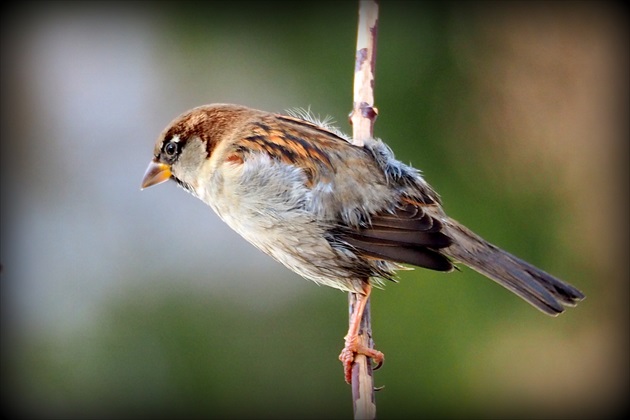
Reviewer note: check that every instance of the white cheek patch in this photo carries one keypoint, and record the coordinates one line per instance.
(189, 164)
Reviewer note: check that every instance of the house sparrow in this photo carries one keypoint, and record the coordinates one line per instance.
(338, 214)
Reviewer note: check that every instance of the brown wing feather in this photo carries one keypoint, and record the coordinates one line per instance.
(408, 235)
(418, 256)
(408, 217)
(294, 142)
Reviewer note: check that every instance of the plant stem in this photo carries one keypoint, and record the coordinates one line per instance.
(362, 117)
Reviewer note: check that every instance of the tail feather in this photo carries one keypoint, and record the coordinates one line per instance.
(542, 290)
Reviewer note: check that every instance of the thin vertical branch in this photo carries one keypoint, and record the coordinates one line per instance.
(362, 118)
(363, 111)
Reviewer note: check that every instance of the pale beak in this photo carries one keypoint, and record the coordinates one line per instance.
(156, 174)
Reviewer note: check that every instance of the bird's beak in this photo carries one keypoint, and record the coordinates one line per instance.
(156, 174)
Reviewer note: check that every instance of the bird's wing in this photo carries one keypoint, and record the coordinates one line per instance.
(294, 142)
(373, 203)
(408, 234)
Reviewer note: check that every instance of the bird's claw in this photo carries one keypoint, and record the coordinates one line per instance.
(354, 347)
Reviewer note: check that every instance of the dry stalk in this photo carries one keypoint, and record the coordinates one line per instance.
(362, 118)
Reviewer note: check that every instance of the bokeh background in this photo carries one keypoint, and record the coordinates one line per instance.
(121, 303)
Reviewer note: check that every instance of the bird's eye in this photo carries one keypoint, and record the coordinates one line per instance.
(170, 149)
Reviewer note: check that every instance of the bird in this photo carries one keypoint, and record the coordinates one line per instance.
(339, 214)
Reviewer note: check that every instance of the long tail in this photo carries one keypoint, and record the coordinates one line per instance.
(540, 289)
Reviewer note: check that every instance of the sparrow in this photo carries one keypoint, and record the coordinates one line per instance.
(341, 215)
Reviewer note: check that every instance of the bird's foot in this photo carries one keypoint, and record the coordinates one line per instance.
(352, 348)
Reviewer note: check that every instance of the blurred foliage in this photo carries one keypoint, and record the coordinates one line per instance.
(159, 353)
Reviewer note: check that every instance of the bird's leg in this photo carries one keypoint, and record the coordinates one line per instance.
(353, 343)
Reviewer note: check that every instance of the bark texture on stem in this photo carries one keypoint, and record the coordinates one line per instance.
(363, 398)
(363, 111)
(362, 118)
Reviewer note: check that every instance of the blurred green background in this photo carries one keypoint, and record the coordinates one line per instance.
(120, 303)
